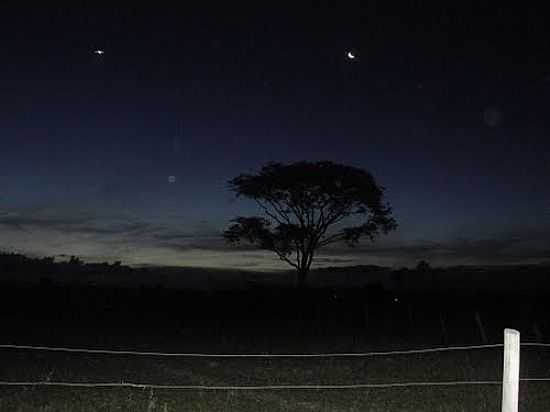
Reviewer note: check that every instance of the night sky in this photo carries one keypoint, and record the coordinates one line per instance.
(126, 155)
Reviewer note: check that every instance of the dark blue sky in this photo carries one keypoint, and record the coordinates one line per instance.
(448, 108)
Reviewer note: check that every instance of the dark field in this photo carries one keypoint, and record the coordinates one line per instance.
(269, 319)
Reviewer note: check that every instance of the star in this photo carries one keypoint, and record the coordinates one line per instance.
(99, 52)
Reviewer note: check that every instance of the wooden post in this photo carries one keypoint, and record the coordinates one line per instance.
(411, 316)
(443, 328)
(366, 315)
(481, 328)
(510, 374)
(538, 333)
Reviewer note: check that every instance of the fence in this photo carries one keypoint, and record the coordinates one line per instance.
(510, 379)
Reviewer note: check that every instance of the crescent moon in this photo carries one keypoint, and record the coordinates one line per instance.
(351, 55)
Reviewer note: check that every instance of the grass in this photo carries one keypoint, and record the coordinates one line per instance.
(256, 321)
(483, 364)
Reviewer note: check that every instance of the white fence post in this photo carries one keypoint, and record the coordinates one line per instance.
(510, 374)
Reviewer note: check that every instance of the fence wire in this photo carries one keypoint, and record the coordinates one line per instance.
(264, 387)
(262, 355)
(253, 355)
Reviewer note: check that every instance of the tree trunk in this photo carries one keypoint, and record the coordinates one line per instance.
(301, 280)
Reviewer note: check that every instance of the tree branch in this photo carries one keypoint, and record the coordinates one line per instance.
(297, 251)
(299, 214)
(331, 239)
(266, 210)
(277, 207)
(283, 257)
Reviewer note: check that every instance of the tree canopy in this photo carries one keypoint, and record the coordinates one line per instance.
(301, 201)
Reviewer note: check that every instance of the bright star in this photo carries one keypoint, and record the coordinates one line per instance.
(99, 52)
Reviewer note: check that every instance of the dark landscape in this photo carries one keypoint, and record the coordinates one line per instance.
(241, 208)
(385, 310)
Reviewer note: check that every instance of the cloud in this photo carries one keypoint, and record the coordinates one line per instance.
(207, 243)
(320, 259)
(509, 247)
(173, 236)
(250, 264)
(54, 231)
(78, 223)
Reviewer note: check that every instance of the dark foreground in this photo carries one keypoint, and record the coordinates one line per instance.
(266, 320)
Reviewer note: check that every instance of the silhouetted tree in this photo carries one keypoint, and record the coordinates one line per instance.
(303, 200)
(75, 261)
(428, 274)
(423, 266)
(48, 260)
